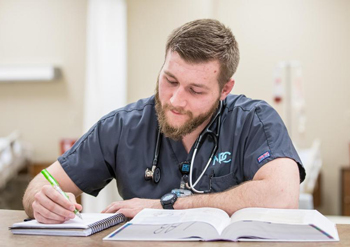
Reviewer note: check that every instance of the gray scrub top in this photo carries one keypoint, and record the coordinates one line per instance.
(121, 145)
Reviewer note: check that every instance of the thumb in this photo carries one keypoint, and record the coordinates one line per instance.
(78, 206)
(71, 197)
(129, 212)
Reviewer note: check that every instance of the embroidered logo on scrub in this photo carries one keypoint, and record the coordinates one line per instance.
(263, 156)
(222, 158)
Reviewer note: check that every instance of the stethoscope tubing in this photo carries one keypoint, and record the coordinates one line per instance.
(206, 131)
(215, 137)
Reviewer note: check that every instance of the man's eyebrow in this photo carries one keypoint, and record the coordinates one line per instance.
(200, 86)
(191, 84)
(170, 74)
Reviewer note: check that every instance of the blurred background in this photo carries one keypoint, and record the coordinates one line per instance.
(90, 57)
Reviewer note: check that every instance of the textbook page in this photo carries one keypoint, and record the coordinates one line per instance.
(173, 225)
(285, 216)
(203, 224)
(218, 218)
(286, 224)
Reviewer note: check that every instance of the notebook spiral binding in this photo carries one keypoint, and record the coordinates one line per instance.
(107, 223)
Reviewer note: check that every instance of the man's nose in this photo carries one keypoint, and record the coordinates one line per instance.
(178, 98)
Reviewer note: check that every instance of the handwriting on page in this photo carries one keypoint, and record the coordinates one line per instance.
(166, 228)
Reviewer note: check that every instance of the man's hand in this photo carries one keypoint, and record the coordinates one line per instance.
(131, 207)
(50, 207)
(42, 202)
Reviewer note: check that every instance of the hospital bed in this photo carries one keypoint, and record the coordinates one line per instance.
(14, 156)
(312, 162)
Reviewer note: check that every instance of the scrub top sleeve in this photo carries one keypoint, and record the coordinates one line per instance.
(267, 140)
(87, 162)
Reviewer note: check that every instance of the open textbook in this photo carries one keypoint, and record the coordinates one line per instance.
(209, 224)
(90, 224)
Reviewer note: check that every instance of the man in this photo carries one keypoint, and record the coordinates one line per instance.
(152, 147)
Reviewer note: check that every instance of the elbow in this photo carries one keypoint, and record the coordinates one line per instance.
(287, 199)
(27, 206)
(291, 204)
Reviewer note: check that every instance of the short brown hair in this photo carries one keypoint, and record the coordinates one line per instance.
(206, 40)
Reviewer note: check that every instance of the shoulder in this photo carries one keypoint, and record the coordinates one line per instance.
(242, 105)
(137, 111)
(131, 118)
(251, 116)
(133, 115)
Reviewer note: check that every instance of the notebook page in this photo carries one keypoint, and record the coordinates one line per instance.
(88, 218)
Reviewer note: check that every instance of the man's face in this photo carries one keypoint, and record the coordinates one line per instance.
(187, 95)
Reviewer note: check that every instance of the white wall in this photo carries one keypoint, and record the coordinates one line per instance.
(149, 24)
(40, 31)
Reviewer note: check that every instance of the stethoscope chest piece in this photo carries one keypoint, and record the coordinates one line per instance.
(156, 175)
(153, 174)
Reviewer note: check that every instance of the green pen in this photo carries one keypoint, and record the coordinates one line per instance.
(57, 187)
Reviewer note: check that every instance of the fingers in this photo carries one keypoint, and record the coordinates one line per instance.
(47, 209)
(112, 208)
(73, 199)
(56, 197)
(78, 206)
(123, 207)
(131, 207)
(115, 206)
(50, 206)
(129, 212)
(45, 220)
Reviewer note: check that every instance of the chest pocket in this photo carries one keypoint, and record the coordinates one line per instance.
(222, 183)
(218, 184)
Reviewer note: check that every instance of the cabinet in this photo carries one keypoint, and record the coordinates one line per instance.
(345, 191)
(35, 169)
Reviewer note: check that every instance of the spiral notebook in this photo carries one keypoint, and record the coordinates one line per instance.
(90, 224)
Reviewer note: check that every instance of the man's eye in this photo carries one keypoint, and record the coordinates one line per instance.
(194, 91)
(171, 82)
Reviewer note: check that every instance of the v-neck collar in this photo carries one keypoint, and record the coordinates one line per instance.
(178, 149)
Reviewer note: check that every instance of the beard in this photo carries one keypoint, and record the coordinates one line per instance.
(177, 133)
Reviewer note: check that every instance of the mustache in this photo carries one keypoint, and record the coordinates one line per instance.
(177, 109)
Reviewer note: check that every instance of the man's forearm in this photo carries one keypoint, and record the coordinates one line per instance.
(275, 185)
(34, 186)
(258, 193)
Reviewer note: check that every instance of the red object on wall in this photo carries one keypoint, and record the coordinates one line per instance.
(66, 144)
(278, 91)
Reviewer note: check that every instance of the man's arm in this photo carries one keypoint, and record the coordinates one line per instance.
(42, 202)
(275, 185)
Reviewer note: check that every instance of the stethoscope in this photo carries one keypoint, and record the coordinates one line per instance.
(154, 173)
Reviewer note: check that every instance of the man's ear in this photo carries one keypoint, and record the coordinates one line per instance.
(227, 89)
